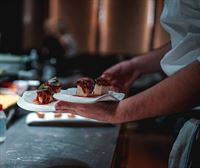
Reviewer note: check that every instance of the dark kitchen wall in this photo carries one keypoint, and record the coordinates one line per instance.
(11, 25)
(125, 26)
(105, 27)
(35, 12)
(112, 26)
(81, 19)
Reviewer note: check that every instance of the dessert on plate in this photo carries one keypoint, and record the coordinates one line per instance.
(57, 114)
(45, 91)
(40, 114)
(85, 87)
(102, 86)
(54, 85)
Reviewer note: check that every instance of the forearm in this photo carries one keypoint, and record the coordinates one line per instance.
(150, 62)
(176, 93)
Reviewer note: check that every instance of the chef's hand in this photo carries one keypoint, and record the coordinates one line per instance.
(103, 111)
(122, 75)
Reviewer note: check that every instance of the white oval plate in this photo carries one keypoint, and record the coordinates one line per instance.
(69, 96)
(26, 102)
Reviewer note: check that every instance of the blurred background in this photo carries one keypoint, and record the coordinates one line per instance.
(41, 39)
(46, 38)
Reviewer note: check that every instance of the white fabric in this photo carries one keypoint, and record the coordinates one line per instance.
(181, 19)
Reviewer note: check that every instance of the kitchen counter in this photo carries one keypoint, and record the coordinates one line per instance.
(58, 146)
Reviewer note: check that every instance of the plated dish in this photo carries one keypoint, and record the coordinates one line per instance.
(49, 93)
(69, 95)
(42, 98)
(46, 90)
(27, 102)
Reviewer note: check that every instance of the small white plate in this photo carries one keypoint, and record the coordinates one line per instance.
(69, 96)
(33, 119)
(26, 102)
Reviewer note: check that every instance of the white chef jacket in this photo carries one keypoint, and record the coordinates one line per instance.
(181, 19)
